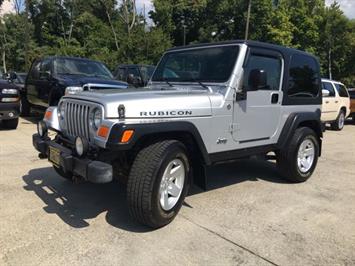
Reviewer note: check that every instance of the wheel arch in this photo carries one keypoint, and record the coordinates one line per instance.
(343, 108)
(297, 120)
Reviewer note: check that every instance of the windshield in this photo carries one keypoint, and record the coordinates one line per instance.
(21, 78)
(81, 67)
(208, 64)
(147, 72)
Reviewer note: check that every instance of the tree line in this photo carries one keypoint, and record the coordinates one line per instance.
(115, 32)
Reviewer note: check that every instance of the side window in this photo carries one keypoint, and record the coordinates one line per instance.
(343, 92)
(303, 77)
(35, 70)
(329, 87)
(352, 94)
(121, 74)
(270, 66)
(46, 66)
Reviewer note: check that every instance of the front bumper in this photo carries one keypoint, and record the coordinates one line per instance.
(92, 171)
(9, 108)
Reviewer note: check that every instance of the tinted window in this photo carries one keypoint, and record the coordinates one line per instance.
(66, 66)
(343, 92)
(210, 64)
(46, 66)
(329, 87)
(352, 94)
(35, 70)
(121, 74)
(304, 77)
(147, 72)
(270, 65)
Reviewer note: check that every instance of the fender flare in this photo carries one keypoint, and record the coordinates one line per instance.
(295, 120)
(142, 130)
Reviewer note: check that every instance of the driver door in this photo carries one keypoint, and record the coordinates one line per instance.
(257, 115)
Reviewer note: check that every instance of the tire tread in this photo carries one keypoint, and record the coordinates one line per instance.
(141, 181)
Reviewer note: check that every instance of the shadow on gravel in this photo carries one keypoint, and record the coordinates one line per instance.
(77, 203)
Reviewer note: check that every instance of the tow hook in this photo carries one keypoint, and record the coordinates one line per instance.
(42, 156)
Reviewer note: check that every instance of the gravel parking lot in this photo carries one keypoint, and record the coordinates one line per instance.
(249, 216)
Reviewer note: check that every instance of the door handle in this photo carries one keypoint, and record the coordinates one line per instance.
(326, 101)
(275, 98)
(336, 101)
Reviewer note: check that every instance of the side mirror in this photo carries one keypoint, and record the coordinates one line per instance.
(257, 79)
(45, 75)
(325, 93)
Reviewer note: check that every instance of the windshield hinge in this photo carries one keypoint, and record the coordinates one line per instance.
(233, 127)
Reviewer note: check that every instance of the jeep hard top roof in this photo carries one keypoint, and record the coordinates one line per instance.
(262, 45)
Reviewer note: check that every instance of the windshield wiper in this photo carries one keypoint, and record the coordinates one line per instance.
(199, 82)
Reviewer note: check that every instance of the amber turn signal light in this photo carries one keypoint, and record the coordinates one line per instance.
(103, 132)
(127, 135)
(48, 115)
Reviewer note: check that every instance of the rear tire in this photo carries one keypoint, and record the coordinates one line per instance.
(10, 124)
(158, 183)
(339, 123)
(298, 161)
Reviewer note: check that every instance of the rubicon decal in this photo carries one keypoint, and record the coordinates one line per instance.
(166, 113)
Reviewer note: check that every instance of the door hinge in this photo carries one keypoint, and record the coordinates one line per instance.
(233, 127)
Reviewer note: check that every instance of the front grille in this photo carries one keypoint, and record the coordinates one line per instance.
(77, 119)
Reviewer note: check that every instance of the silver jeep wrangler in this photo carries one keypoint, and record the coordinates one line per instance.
(205, 104)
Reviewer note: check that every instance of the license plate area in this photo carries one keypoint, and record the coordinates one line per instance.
(54, 156)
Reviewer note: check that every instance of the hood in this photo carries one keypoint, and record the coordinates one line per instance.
(77, 80)
(149, 103)
(4, 84)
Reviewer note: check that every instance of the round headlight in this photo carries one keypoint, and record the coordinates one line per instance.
(81, 146)
(97, 118)
(42, 129)
(61, 111)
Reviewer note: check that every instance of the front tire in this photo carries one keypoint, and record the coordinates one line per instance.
(10, 124)
(25, 106)
(158, 183)
(298, 161)
(339, 123)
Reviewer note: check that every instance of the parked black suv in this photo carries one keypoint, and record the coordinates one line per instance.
(9, 104)
(135, 75)
(51, 78)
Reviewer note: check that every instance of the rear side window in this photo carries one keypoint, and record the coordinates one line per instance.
(343, 92)
(303, 77)
(329, 87)
(352, 94)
